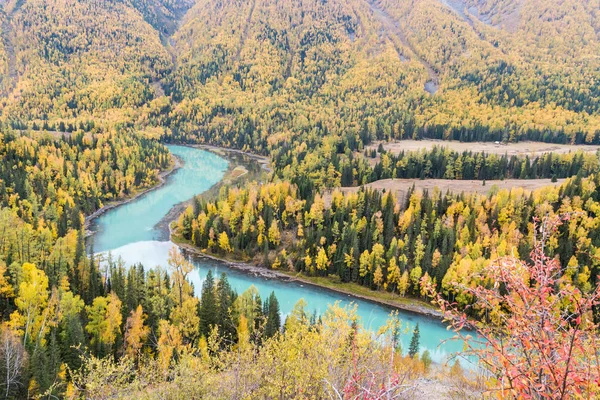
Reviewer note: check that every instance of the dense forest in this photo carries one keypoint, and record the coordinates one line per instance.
(91, 90)
(370, 239)
(259, 74)
(53, 180)
(61, 309)
(280, 78)
(440, 163)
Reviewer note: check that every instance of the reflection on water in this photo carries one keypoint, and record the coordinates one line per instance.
(129, 232)
(373, 316)
(135, 221)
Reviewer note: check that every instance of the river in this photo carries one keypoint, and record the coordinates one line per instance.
(130, 231)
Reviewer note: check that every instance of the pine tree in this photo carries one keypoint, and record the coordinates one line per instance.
(413, 348)
(273, 316)
(208, 305)
(227, 326)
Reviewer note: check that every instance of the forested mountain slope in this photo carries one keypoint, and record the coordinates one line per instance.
(260, 73)
(308, 82)
(328, 66)
(78, 61)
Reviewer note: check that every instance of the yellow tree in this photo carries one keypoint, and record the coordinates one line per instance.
(403, 284)
(378, 276)
(224, 242)
(135, 332)
(274, 234)
(180, 269)
(169, 342)
(394, 275)
(113, 320)
(186, 319)
(104, 316)
(32, 301)
(322, 261)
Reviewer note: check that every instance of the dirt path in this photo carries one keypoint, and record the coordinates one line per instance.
(392, 30)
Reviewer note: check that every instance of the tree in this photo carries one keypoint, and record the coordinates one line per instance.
(113, 320)
(225, 321)
(426, 359)
(71, 332)
(274, 234)
(135, 332)
(169, 343)
(32, 315)
(403, 284)
(378, 277)
(104, 322)
(180, 269)
(273, 324)
(186, 319)
(224, 243)
(413, 347)
(538, 329)
(12, 361)
(208, 305)
(322, 262)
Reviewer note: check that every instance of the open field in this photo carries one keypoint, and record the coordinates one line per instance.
(517, 149)
(402, 186)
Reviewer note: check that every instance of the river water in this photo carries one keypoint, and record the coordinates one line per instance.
(130, 231)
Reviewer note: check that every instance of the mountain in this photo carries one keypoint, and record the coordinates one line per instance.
(73, 61)
(264, 74)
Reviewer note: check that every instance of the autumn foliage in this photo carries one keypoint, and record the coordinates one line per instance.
(535, 335)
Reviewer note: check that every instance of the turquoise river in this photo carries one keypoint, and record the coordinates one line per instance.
(130, 231)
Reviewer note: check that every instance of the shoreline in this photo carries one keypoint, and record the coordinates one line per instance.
(162, 179)
(413, 308)
(164, 225)
(263, 161)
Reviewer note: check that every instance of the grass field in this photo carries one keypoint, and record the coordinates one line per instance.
(402, 186)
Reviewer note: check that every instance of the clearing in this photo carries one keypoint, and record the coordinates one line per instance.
(401, 186)
(532, 149)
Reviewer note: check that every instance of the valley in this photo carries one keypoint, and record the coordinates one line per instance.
(299, 198)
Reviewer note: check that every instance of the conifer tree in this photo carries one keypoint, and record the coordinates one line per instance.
(273, 316)
(208, 305)
(226, 297)
(413, 348)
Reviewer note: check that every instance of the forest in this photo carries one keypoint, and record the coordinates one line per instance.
(441, 163)
(370, 239)
(91, 91)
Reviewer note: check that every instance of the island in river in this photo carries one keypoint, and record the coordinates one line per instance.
(135, 232)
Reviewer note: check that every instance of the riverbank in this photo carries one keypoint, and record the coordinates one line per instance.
(349, 289)
(242, 167)
(263, 161)
(176, 163)
(325, 283)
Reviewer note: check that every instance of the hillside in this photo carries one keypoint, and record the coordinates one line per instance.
(409, 68)
(260, 74)
(74, 62)
(417, 150)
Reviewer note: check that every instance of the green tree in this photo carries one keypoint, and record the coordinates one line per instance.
(208, 305)
(226, 297)
(413, 348)
(273, 323)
